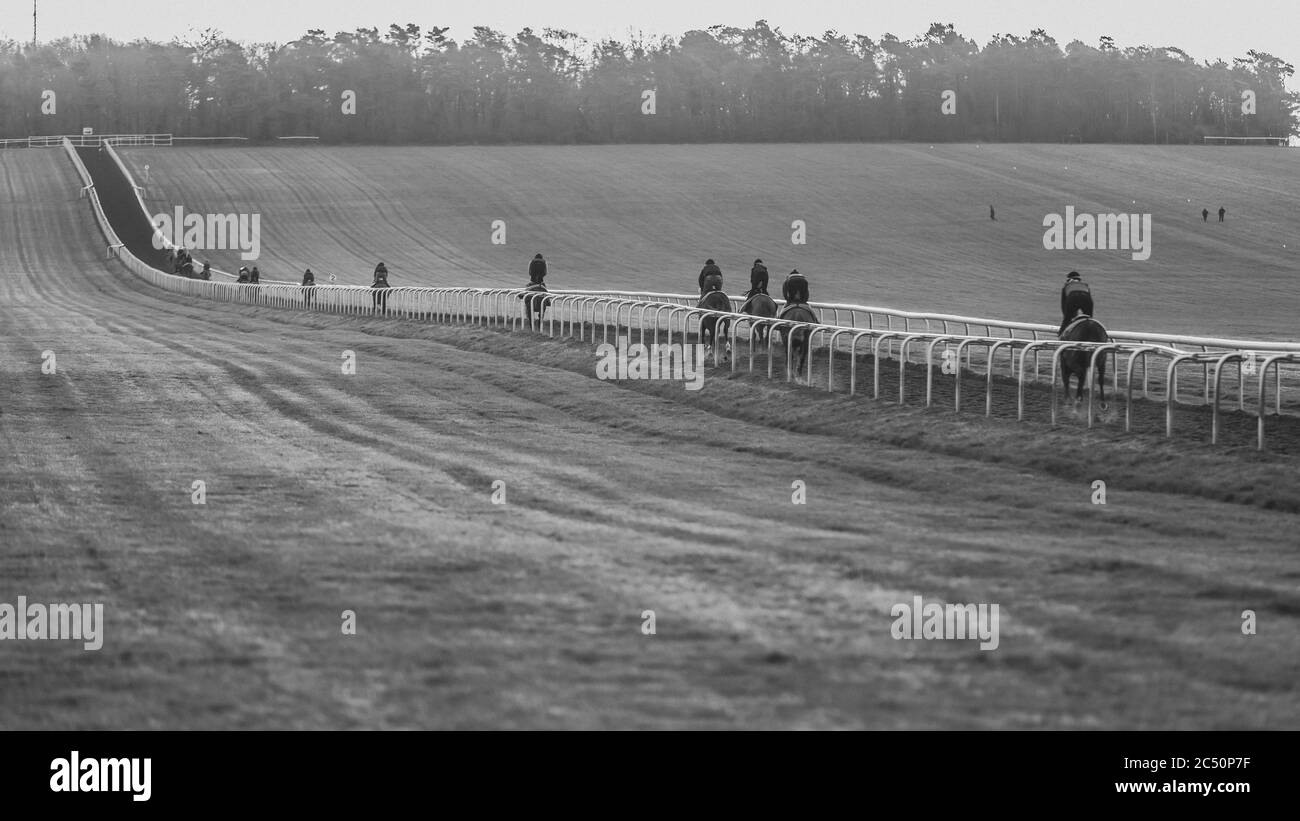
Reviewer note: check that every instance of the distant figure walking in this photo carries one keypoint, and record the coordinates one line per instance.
(537, 271)
(1076, 297)
(1205, 215)
(992, 214)
(757, 279)
(380, 299)
(308, 283)
(1222, 211)
(710, 277)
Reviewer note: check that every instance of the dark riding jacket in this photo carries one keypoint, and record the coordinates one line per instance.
(709, 271)
(758, 279)
(537, 270)
(795, 288)
(1071, 288)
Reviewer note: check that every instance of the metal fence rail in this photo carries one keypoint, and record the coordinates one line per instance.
(89, 140)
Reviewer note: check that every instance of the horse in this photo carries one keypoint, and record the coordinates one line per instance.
(711, 325)
(798, 337)
(535, 304)
(379, 299)
(763, 306)
(1075, 361)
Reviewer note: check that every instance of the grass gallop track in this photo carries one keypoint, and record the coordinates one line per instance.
(372, 492)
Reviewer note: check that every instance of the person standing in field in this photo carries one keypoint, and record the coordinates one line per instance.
(1076, 296)
(710, 277)
(1205, 215)
(992, 215)
(757, 279)
(1222, 211)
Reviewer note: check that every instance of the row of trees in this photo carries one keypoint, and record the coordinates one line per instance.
(723, 84)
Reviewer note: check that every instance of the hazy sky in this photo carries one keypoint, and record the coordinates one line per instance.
(1204, 28)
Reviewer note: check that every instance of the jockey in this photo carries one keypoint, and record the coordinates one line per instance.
(381, 276)
(243, 274)
(710, 277)
(308, 278)
(255, 277)
(757, 279)
(206, 273)
(1075, 296)
(795, 288)
(536, 270)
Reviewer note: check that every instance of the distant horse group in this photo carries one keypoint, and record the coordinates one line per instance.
(716, 324)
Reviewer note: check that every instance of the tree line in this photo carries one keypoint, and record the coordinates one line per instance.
(723, 84)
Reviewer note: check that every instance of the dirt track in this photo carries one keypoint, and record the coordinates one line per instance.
(371, 492)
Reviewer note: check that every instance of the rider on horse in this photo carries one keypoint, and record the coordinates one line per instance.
(380, 299)
(308, 282)
(1075, 296)
(710, 277)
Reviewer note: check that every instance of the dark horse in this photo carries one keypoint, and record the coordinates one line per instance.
(763, 306)
(798, 342)
(712, 325)
(1075, 361)
(379, 298)
(535, 304)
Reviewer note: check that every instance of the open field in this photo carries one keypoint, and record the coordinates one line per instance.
(372, 492)
(900, 225)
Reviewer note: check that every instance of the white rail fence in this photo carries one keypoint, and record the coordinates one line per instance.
(89, 140)
(847, 337)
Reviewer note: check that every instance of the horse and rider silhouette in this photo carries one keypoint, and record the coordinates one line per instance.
(379, 300)
(535, 299)
(795, 292)
(758, 303)
(1078, 325)
(712, 298)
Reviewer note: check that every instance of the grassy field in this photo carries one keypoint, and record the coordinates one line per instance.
(903, 226)
(372, 492)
